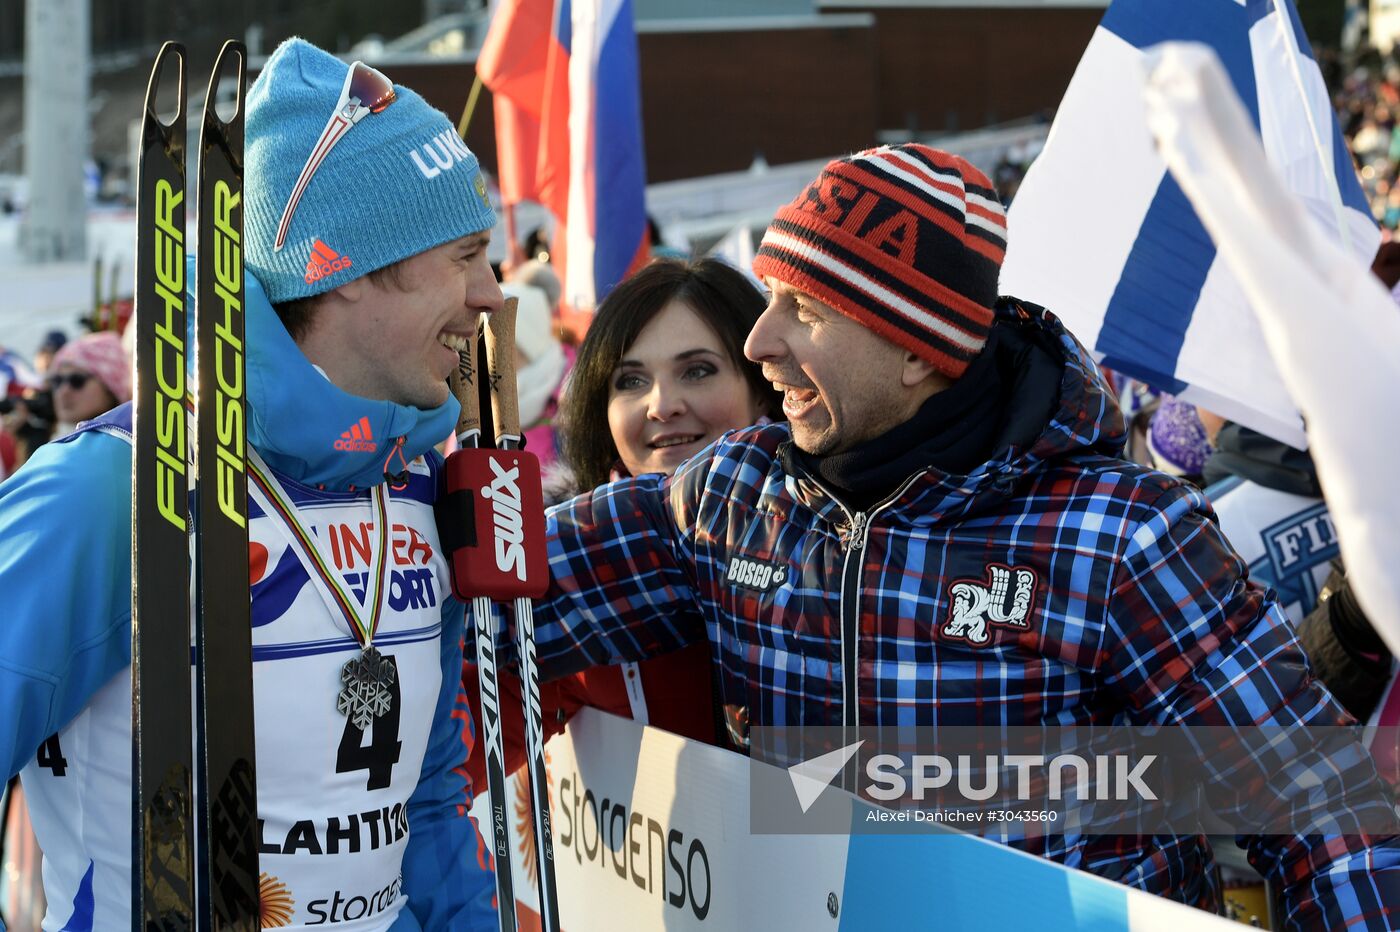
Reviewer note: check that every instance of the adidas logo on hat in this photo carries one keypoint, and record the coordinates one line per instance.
(324, 261)
(358, 439)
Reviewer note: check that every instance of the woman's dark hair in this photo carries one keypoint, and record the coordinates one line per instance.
(722, 297)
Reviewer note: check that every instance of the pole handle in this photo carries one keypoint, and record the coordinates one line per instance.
(463, 383)
(500, 365)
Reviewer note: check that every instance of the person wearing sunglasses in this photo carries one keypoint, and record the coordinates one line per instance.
(366, 222)
(88, 376)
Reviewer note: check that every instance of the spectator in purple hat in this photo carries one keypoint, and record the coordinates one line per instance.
(1177, 440)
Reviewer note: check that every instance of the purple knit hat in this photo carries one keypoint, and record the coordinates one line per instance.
(1177, 439)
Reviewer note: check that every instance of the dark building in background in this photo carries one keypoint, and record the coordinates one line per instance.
(946, 67)
(121, 27)
(717, 92)
(723, 81)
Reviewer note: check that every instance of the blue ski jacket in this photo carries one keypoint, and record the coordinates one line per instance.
(66, 586)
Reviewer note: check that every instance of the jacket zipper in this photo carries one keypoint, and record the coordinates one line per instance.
(854, 545)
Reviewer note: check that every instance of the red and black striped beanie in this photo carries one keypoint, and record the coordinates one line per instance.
(907, 240)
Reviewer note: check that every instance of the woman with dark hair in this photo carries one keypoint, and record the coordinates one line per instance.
(661, 373)
(660, 376)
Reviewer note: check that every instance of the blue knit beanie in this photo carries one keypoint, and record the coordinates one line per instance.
(397, 183)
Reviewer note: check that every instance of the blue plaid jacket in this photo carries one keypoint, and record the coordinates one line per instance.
(1139, 612)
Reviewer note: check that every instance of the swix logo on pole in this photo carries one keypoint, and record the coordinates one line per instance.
(501, 552)
(503, 492)
(531, 671)
(490, 714)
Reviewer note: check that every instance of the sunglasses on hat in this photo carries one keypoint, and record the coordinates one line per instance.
(74, 380)
(365, 91)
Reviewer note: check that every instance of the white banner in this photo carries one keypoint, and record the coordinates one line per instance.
(651, 832)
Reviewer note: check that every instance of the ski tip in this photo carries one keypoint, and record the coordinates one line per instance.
(170, 51)
(233, 53)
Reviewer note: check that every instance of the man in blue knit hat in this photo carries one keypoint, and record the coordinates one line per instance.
(366, 224)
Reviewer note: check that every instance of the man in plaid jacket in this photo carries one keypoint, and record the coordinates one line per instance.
(940, 438)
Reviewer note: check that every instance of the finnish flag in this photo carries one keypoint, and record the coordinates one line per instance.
(1102, 235)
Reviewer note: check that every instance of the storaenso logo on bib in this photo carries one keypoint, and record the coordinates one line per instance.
(342, 908)
(276, 908)
(752, 574)
(503, 493)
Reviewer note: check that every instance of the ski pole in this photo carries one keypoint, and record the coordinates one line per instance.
(465, 384)
(529, 539)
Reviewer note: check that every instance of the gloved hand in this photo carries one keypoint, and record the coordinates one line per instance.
(1345, 652)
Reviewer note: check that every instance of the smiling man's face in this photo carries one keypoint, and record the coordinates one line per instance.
(398, 339)
(841, 383)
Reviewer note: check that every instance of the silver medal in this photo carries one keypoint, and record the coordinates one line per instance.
(366, 694)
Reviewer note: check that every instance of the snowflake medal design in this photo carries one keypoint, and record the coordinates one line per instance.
(366, 694)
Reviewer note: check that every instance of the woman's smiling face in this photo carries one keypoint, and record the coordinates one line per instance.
(675, 392)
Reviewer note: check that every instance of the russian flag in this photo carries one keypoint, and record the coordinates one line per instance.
(1102, 234)
(566, 84)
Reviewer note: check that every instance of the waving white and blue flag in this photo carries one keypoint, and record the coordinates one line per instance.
(1102, 235)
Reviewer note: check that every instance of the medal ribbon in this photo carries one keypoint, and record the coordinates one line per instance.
(274, 500)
